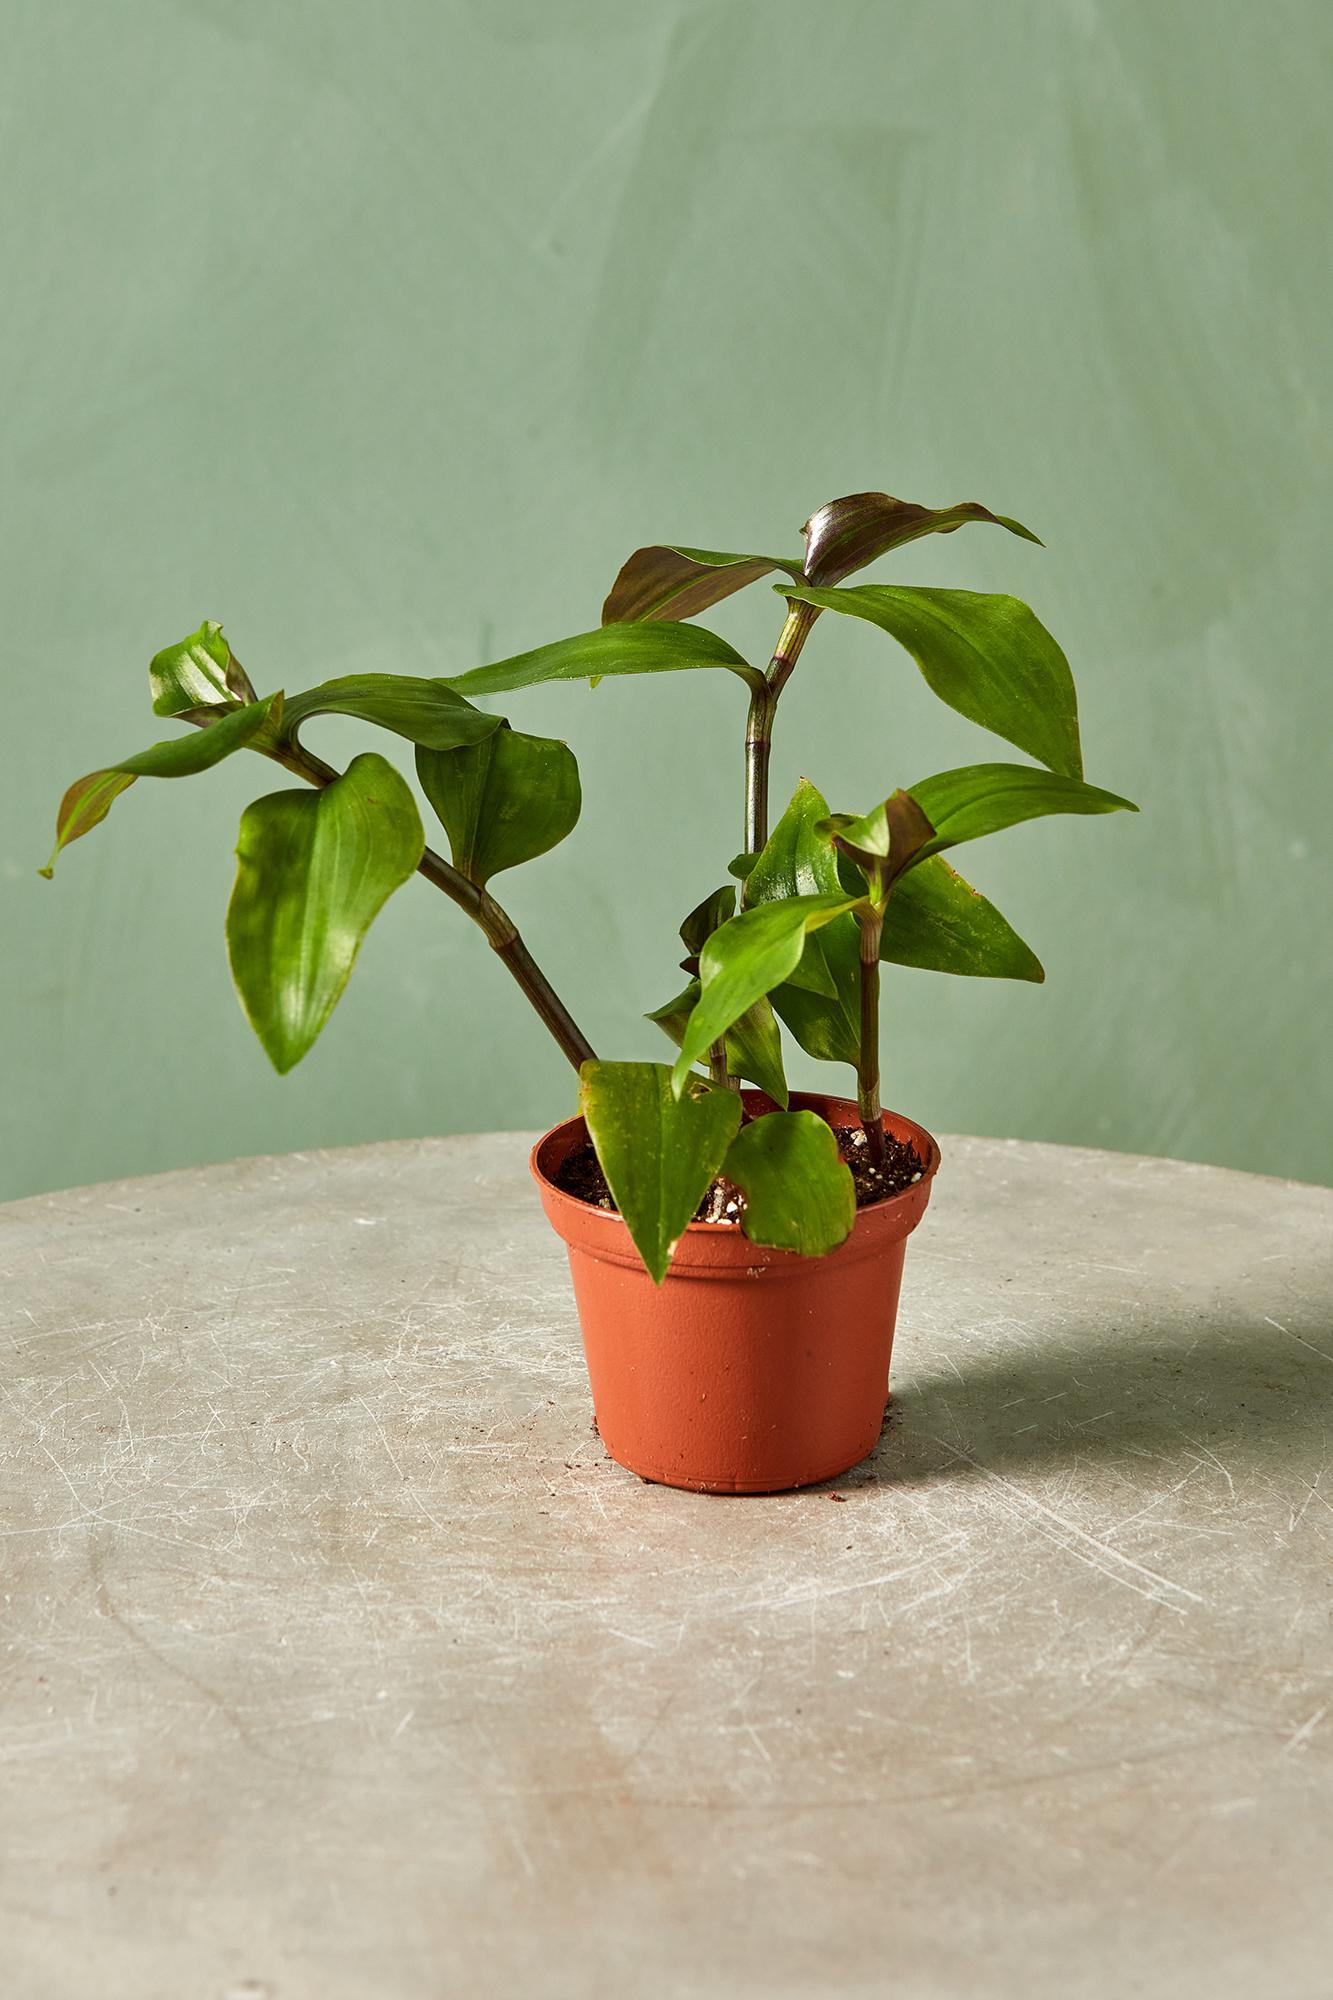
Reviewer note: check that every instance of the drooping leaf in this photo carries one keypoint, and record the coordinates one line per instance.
(200, 672)
(847, 534)
(659, 1151)
(985, 798)
(883, 842)
(677, 583)
(89, 799)
(653, 646)
(702, 921)
(940, 923)
(502, 801)
(988, 656)
(426, 712)
(745, 960)
(754, 1043)
(315, 869)
(799, 1194)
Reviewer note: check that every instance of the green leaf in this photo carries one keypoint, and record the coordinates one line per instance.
(796, 861)
(315, 870)
(661, 582)
(989, 657)
(940, 923)
(707, 917)
(745, 960)
(935, 920)
(200, 672)
(754, 1042)
(426, 712)
(985, 798)
(89, 799)
(799, 1194)
(847, 534)
(503, 801)
(828, 1026)
(650, 647)
(660, 1152)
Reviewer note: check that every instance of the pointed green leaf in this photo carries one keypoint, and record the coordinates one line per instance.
(754, 1042)
(799, 1194)
(503, 801)
(651, 647)
(985, 798)
(847, 534)
(676, 583)
(940, 923)
(989, 657)
(426, 712)
(89, 800)
(660, 1152)
(198, 672)
(796, 861)
(315, 869)
(745, 960)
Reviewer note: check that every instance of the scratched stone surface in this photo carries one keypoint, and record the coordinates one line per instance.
(340, 1662)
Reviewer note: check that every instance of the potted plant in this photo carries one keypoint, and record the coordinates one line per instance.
(736, 1252)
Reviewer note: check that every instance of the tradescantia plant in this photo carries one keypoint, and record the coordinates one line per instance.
(794, 939)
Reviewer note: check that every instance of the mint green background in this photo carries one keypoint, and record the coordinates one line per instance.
(383, 333)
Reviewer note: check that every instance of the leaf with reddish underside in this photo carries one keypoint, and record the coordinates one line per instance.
(883, 842)
(847, 534)
(674, 583)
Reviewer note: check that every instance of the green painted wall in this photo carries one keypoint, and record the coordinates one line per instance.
(383, 333)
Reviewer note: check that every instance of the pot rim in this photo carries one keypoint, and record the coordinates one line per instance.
(895, 1122)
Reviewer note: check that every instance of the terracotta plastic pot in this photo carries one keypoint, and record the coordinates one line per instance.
(747, 1370)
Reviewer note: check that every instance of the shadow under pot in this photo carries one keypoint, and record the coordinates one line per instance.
(747, 1370)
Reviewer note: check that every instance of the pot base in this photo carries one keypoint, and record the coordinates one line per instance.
(739, 1487)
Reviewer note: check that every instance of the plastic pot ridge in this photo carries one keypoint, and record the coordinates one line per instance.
(748, 1370)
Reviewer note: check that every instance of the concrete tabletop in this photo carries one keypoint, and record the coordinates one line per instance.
(339, 1663)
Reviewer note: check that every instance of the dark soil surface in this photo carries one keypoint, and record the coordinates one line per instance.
(582, 1176)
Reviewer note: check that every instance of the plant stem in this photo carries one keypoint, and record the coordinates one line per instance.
(759, 723)
(867, 1069)
(500, 928)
